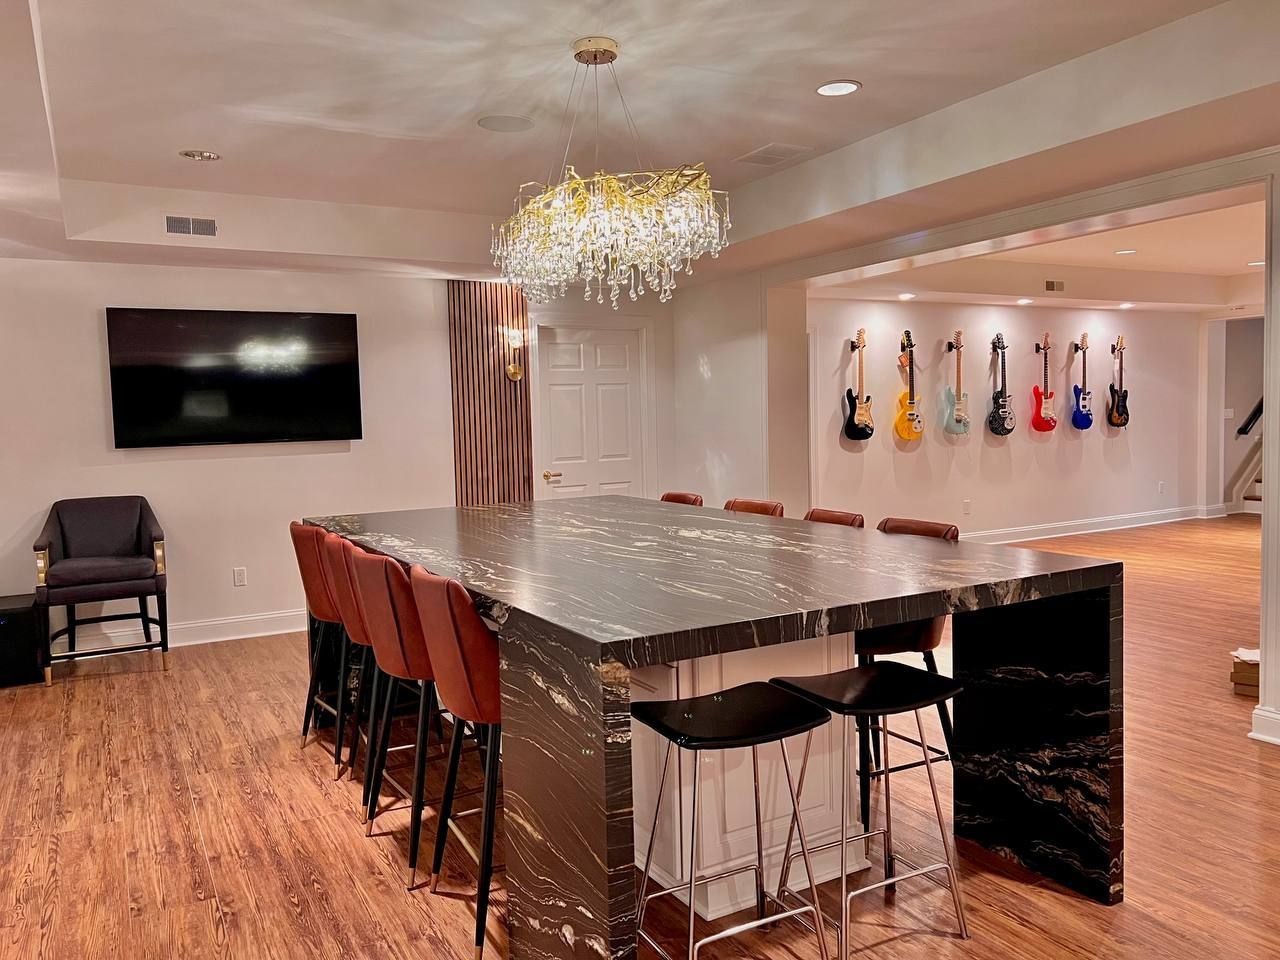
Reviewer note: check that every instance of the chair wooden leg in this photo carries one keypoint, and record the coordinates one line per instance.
(46, 645)
(71, 627)
(426, 707)
(489, 825)
(344, 672)
(864, 771)
(143, 616)
(446, 801)
(162, 614)
(944, 715)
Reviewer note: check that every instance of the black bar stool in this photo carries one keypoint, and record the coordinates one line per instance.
(744, 716)
(878, 690)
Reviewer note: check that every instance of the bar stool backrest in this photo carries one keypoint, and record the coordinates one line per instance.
(315, 581)
(391, 616)
(336, 552)
(464, 651)
(919, 528)
(840, 517)
(688, 499)
(766, 508)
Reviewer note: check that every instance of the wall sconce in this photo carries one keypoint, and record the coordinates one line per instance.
(515, 340)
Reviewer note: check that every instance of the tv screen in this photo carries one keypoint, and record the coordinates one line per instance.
(183, 377)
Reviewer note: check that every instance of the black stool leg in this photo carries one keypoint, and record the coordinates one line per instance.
(162, 614)
(142, 615)
(372, 684)
(362, 695)
(46, 645)
(344, 673)
(944, 715)
(71, 627)
(446, 801)
(313, 685)
(379, 758)
(488, 828)
(864, 771)
(426, 707)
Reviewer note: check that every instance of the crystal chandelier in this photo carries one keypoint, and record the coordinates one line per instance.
(624, 231)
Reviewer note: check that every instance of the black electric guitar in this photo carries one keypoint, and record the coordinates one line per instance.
(1118, 405)
(1001, 420)
(858, 425)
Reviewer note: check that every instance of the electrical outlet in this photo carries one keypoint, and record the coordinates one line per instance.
(1160, 487)
(239, 577)
(1229, 413)
(966, 507)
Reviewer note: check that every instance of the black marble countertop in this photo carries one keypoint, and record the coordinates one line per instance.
(618, 571)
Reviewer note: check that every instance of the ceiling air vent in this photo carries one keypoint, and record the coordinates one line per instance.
(772, 154)
(1054, 286)
(191, 226)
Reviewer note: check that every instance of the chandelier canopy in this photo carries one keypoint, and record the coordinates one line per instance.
(624, 231)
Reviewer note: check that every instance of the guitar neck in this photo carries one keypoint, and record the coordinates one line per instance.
(1004, 383)
(1046, 371)
(1084, 371)
(959, 374)
(1122, 371)
(911, 376)
(861, 393)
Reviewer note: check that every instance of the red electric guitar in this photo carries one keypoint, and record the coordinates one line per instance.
(1042, 416)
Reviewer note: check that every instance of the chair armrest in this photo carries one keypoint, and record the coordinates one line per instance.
(152, 535)
(42, 566)
(48, 547)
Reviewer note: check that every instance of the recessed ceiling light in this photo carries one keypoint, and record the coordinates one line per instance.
(1126, 306)
(1126, 252)
(1023, 301)
(839, 88)
(500, 123)
(199, 154)
(906, 296)
(1257, 263)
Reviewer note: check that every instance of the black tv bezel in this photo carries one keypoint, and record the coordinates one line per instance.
(115, 426)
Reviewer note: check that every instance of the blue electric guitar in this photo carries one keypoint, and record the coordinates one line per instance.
(1082, 412)
(955, 402)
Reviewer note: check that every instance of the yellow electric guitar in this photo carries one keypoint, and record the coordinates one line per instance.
(908, 424)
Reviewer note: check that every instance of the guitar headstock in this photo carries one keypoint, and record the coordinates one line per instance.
(861, 339)
(1084, 341)
(957, 340)
(907, 342)
(1118, 346)
(998, 343)
(1043, 346)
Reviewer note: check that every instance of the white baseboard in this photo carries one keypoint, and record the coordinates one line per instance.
(1266, 724)
(1246, 506)
(1096, 524)
(201, 631)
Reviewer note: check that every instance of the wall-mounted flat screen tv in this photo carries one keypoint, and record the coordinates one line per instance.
(181, 377)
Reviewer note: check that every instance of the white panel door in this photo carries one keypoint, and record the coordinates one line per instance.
(590, 407)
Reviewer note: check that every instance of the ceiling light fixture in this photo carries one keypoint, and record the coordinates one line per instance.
(500, 123)
(1126, 306)
(1128, 252)
(906, 296)
(201, 155)
(617, 230)
(839, 88)
(1257, 263)
(1023, 301)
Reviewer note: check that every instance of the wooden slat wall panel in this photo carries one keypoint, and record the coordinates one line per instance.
(492, 433)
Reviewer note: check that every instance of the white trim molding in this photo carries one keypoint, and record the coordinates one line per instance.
(1266, 724)
(1119, 521)
(213, 630)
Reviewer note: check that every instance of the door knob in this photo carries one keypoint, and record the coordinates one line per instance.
(549, 476)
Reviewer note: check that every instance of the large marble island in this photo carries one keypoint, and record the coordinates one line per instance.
(599, 599)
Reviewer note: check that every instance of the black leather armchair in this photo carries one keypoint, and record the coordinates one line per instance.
(95, 549)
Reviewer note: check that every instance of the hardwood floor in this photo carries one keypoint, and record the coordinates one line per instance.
(145, 814)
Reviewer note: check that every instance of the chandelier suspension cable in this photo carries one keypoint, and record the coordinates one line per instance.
(626, 112)
(564, 118)
(573, 125)
(595, 75)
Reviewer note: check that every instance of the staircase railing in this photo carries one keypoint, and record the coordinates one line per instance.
(1251, 420)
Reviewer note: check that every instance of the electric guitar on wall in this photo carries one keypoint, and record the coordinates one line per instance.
(955, 418)
(1042, 417)
(1118, 405)
(1082, 414)
(1001, 419)
(858, 425)
(908, 424)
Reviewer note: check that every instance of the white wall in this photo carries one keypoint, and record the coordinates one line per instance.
(1028, 479)
(220, 506)
(787, 340)
(1242, 388)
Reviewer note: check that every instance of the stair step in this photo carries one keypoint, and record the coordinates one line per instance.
(1253, 496)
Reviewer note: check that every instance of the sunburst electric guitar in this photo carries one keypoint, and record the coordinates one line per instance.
(908, 424)
(1001, 420)
(858, 424)
(1082, 413)
(1042, 416)
(955, 402)
(1118, 405)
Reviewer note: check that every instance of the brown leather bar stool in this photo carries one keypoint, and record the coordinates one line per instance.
(917, 636)
(464, 654)
(337, 553)
(766, 508)
(325, 624)
(688, 499)
(400, 651)
(838, 517)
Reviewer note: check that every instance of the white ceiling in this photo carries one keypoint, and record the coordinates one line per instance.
(376, 102)
(1219, 243)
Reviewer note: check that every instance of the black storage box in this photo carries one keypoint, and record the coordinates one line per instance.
(19, 641)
